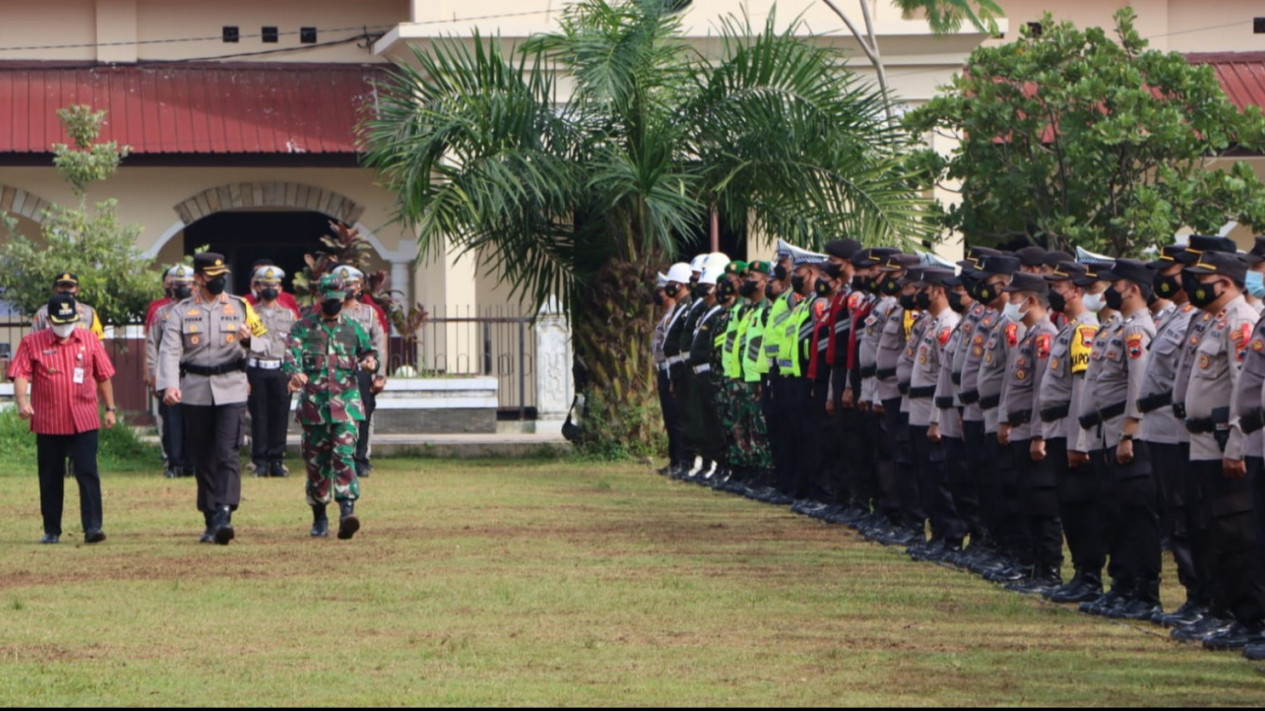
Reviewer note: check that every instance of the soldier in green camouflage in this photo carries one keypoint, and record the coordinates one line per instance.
(325, 350)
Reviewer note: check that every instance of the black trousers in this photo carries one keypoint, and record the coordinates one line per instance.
(370, 402)
(1079, 494)
(964, 479)
(854, 471)
(1169, 463)
(671, 419)
(821, 448)
(175, 440)
(220, 430)
(1041, 505)
(705, 414)
(932, 486)
(1010, 512)
(895, 460)
(1238, 583)
(797, 409)
(871, 441)
(51, 452)
(1132, 523)
(269, 405)
(774, 427)
(998, 466)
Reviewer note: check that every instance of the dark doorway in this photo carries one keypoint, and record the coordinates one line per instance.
(243, 237)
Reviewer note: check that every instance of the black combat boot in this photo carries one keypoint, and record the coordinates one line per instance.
(1143, 605)
(223, 523)
(320, 522)
(348, 524)
(208, 536)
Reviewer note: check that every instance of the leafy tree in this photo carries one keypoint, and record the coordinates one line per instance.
(1071, 137)
(114, 277)
(587, 200)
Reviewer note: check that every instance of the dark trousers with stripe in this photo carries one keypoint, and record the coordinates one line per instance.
(51, 452)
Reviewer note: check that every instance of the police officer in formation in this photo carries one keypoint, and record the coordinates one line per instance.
(269, 402)
(981, 416)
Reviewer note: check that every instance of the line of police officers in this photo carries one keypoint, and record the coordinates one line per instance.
(981, 416)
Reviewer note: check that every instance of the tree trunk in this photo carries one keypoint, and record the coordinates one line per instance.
(613, 333)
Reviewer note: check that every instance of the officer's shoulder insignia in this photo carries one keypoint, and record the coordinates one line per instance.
(819, 307)
(1012, 333)
(943, 337)
(1043, 346)
(1134, 344)
(1187, 308)
(1241, 334)
(1087, 333)
(854, 301)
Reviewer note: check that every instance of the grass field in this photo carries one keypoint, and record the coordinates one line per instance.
(539, 583)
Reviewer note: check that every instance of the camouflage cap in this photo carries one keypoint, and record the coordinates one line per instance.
(331, 287)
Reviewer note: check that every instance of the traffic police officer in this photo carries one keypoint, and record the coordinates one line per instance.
(674, 367)
(269, 401)
(175, 442)
(202, 366)
(371, 382)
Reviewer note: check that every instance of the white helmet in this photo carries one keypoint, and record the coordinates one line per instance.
(680, 273)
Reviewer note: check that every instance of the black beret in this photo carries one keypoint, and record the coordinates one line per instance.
(842, 248)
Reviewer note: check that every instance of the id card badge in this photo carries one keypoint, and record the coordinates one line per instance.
(78, 376)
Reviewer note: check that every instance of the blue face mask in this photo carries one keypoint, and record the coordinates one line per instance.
(1255, 282)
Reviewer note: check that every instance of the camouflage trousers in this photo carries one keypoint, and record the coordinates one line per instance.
(744, 421)
(328, 450)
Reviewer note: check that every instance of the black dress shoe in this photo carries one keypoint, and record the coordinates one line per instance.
(278, 469)
(223, 524)
(259, 469)
(1255, 652)
(1188, 614)
(320, 522)
(170, 472)
(1087, 588)
(1104, 604)
(94, 536)
(51, 538)
(208, 536)
(1207, 626)
(1236, 637)
(1135, 609)
(348, 523)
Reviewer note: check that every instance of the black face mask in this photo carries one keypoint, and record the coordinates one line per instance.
(922, 300)
(779, 272)
(181, 292)
(1114, 298)
(748, 289)
(985, 293)
(724, 290)
(331, 307)
(797, 283)
(860, 283)
(889, 287)
(1167, 286)
(907, 302)
(1057, 302)
(822, 287)
(699, 291)
(1200, 294)
(955, 302)
(769, 293)
(269, 294)
(168, 291)
(216, 286)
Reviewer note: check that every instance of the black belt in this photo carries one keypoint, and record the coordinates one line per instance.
(902, 388)
(1057, 412)
(1252, 421)
(1096, 418)
(988, 402)
(1179, 410)
(969, 397)
(867, 371)
(1154, 401)
(925, 391)
(1019, 417)
(955, 378)
(944, 403)
(208, 370)
(885, 372)
(1202, 425)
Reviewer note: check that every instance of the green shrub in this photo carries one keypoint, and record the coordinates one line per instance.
(120, 448)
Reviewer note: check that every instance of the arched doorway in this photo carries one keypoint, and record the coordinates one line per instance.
(246, 236)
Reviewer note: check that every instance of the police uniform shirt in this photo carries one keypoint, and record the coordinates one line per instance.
(368, 319)
(676, 322)
(974, 343)
(1249, 393)
(930, 354)
(1159, 424)
(1060, 386)
(1116, 369)
(915, 323)
(998, 351)
(780, 313)
(946, 413)
(1028, 363)
(278, 319)
(205, 334)
(891, 343)
(871, 334)
(1200, 322)
(1214, 374)
(704, 338)
(752, 346)
(154, 338)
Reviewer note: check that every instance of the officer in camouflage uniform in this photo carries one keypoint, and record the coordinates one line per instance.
(753, 458)
(326, 351)
(727, 365)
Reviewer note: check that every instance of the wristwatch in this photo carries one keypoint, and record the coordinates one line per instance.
(1126, 438)
(111, 409)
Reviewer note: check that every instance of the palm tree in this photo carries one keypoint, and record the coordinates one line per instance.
(585, 199)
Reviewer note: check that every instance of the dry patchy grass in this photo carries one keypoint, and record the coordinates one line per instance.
(540, 583)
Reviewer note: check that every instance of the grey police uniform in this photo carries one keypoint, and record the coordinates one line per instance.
(202, 355)
(269, 401)
(967, 354)
(895, 469)
(868, 349)
(367, 318)
(931, 359)
(175, 443)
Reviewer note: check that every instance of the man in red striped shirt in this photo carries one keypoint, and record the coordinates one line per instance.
(65, 367)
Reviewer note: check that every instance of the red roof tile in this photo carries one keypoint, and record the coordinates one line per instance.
(190, 108)
(1242, 75)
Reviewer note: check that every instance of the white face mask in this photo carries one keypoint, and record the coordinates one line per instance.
(1094, 302)
(63, 330)
(1012, 313)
